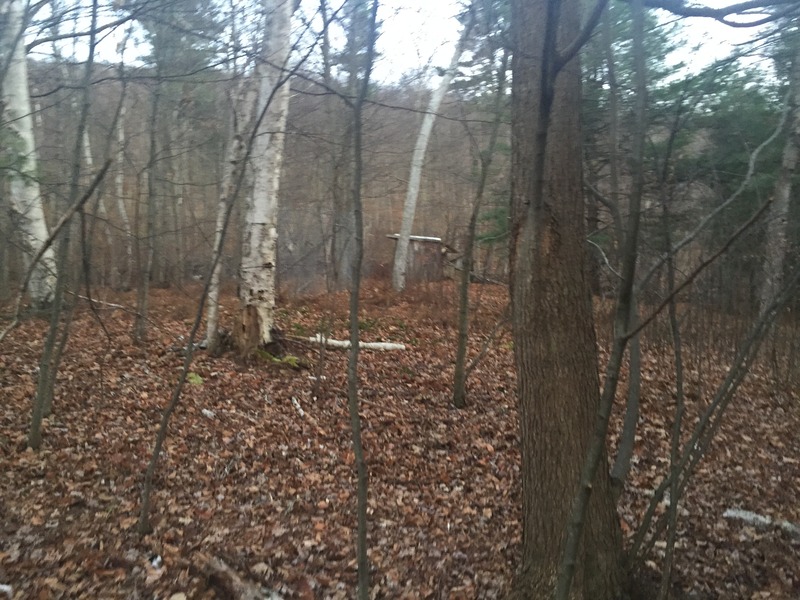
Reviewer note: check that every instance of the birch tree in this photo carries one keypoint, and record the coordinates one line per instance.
(25, 194)
(418, 157)
(242, 107)
(259, 241)
(778, 216)
(124, 282)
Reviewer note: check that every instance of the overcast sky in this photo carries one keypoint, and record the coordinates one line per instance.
(418, 31)
(414, 33)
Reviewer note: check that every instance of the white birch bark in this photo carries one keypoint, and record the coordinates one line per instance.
(243, 114)
(243, 104)
(88, 160)
(259, 242)
(346, 344)
(776, 242)
(26, 199)
(119, 186)
(418, 159)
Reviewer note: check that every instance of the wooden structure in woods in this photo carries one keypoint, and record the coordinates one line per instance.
(428, 258)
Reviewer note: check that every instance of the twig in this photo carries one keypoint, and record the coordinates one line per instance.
(700, 268)
(498, 326)
(605, 258)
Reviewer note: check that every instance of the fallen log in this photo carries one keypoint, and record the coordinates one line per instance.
(762, 522)
(345, 344)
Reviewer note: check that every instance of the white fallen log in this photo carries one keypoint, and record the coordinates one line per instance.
(761, 521)
(345, 344)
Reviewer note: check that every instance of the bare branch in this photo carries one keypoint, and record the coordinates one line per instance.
(723, 14)
(700, 268)
(575, 46)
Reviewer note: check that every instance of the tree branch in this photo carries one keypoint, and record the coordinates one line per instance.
(760, 7)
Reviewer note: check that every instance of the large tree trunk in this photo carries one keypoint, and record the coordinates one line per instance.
(554, 340)
(259, 244)
(26, 199)
(418, 159)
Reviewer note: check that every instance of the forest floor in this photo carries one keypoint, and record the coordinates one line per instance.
(259, 472)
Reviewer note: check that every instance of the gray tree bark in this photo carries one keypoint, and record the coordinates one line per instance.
(778, 212)
(552, 320)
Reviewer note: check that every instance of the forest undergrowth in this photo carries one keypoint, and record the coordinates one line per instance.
(259, 473)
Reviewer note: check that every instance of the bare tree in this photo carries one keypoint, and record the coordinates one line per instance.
(259, 243)
(58, 332)
(370, 33)
(486, 158)
(418, 157)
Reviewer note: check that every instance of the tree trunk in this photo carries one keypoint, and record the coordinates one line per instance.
(554, 341)
(627, 438)
(119, 186)
(343, 238)
(343, 234)
(232, 177)
(369, 22)
(259, 243)
(146, 263)
(5, 234)
(418, 159)
(26, 199)
(460, 374)
(778, 217)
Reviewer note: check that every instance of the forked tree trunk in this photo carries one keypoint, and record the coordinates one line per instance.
(554, 340)
(418, 159)
(259, 243)
(26, 199)
(58, 333)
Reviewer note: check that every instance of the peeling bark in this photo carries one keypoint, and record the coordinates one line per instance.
(259, 243)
